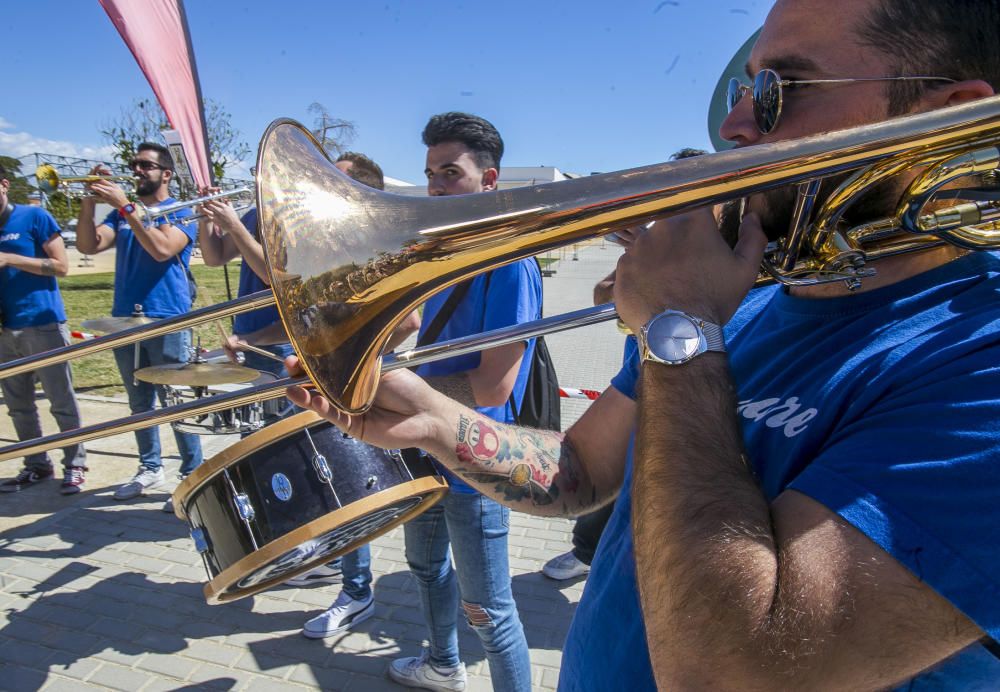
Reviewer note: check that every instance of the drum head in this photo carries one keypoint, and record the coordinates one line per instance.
(325, 539)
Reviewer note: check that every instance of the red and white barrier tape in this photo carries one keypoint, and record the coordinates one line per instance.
(82, 335)
(571, 393)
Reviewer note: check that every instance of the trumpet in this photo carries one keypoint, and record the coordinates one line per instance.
(347, 263)
(242, 199)
(49, 180)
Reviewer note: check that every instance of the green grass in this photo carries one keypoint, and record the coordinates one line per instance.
(89, 296)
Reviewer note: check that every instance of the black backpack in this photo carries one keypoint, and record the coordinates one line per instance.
(540, 407)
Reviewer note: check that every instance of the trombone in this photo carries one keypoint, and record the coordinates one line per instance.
(347, 263)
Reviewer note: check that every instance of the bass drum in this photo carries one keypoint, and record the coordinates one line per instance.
(293, 496)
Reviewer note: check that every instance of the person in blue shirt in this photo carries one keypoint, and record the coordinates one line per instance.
(811, 502)
(463, 156)
(151, 277)
(33, 320)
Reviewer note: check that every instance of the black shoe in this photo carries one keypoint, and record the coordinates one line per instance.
(27, 477)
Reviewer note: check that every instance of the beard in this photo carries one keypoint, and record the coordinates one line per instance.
(146, 187)
(776, 207)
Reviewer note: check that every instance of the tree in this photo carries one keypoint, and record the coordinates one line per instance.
(20, 188)
(143, 121)
(63, 207)
(334, 134)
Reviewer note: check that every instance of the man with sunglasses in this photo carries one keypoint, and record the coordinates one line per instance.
(151, 277)
(809, 477)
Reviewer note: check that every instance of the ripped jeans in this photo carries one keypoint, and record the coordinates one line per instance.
(476, 529)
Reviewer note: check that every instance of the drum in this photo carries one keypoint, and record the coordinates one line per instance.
(240, 420)
(292, 496)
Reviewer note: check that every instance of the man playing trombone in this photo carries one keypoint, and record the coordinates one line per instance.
(151, 277)
(808, 477)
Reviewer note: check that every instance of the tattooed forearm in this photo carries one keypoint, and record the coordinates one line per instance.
(536, 468)
(48, 268)
(457, 387)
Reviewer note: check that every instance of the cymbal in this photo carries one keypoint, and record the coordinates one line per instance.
(109, 325)
(196, 374)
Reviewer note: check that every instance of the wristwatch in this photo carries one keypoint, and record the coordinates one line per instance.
(126, 209)
(675, 337)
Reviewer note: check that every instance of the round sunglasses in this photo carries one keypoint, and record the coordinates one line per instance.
(767, 93)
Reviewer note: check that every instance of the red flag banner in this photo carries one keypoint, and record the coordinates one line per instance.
(156, 32)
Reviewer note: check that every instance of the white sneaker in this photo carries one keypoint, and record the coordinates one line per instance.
(145, 479)
(344, 614)
(324, 574)
(417, 671)
(565, 566)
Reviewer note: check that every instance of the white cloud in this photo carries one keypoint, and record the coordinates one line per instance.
(18, 144)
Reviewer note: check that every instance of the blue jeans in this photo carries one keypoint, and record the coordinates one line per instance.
(170, 348)
(476, 529)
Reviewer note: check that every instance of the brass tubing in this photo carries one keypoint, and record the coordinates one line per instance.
(273, 390)
(254, 301)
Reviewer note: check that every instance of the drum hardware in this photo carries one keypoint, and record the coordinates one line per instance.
(321, 466)
(198, 537)
(347, 263)
(237, 420)
(372, 480)
(243, 507)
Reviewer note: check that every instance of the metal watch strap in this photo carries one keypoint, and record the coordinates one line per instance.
(714, 339)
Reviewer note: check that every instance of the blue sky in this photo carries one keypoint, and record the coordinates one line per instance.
(584, 86)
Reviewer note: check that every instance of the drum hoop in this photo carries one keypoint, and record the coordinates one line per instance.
(430, 489)
(238, 450)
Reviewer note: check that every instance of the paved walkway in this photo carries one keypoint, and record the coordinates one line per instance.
(96, 594)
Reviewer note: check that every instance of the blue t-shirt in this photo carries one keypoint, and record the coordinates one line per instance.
(161, 288)
(884, 407)
(249, 322)
(503, 297)
(26, 299)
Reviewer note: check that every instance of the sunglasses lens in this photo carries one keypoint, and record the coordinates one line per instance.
(766, 100)
(733, 94)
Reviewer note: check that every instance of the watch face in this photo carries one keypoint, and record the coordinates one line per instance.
(674, 338)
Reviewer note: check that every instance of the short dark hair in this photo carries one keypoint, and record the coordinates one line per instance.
(478, 134)
(959, 39)
(364, 170)
(4, 175)
(163, 156)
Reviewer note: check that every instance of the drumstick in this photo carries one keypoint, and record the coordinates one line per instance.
(248, 347)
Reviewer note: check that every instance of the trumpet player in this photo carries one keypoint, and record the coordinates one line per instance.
(151, 275)
(33, 320)
(806, 477)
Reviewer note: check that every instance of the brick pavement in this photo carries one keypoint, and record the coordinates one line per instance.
(96, 594)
